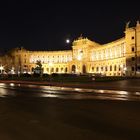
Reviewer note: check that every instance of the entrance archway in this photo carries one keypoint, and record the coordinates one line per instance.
(84, 69)
(73, 69)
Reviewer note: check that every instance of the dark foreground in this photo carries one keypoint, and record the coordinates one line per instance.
(35, 112)
(60, 119)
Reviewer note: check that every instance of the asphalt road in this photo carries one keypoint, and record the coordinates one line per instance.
(123, 85)
(52, 113)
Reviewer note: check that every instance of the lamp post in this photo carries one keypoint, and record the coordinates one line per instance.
(121, 66)
(50, 66)
(125, 69)
(1, 69)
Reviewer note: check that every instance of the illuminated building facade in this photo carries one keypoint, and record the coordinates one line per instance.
(117, 58)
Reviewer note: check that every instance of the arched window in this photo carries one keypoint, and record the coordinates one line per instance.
(52, 70)
(66, 70)
(102, 68)
(47, 69)
(106, 69)
(115, 68)
(84, 69)
(111, 68)
(61, 69)
(119, 67)
(97, 69)
(73, 69)
(32, 69)
(57, 69)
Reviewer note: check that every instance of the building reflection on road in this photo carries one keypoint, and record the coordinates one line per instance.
(23, 90)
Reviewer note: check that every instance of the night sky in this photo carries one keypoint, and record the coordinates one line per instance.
(44, 25)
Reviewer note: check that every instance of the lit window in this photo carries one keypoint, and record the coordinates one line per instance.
(61, 69)
(52, 69)
(97, 69)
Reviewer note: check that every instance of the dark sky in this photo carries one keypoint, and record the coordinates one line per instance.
(44, 25)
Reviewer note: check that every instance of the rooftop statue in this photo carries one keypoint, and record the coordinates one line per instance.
(138, 23)
(127, 25)
(81, 37)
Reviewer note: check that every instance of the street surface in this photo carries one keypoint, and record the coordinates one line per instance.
(69, 113)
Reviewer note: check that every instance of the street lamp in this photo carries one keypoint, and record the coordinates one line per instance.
(1, 69)
(12, 70)
(50, 65)
(121, 66)
(125, 68)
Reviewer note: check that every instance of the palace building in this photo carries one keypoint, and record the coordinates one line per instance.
(116, 58)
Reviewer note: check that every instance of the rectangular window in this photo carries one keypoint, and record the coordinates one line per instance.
(133, 49)
(133, 68)
(138, 68)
